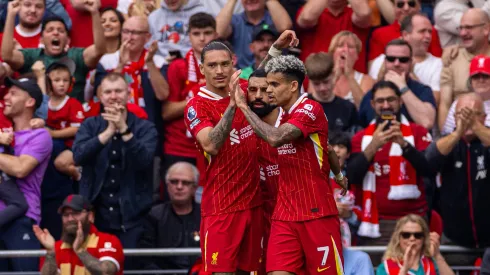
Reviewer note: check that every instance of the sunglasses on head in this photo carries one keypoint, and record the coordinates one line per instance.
(416, 235)
(411, 4)
(402, 59)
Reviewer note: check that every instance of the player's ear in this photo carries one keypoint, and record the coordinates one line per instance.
(201, 68)
(294, 86)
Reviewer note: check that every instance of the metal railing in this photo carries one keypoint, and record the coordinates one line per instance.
(163, 252)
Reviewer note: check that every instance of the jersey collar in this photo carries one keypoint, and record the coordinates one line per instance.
(203, 92)
(300, 99)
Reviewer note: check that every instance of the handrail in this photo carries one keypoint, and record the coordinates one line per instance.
(196, 251)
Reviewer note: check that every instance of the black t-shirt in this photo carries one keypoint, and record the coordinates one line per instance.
(341, 114)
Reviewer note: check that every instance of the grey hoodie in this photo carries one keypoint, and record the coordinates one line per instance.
(170, 28)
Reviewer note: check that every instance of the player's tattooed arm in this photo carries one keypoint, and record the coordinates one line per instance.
(49, 266)
(272, 135)
(220, 132)
(95, 266)
(264, 62)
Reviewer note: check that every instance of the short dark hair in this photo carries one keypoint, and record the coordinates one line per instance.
(258, 73)
(319, 65)
(385, 84)
(407, 22)
(340, 138)
(215, 46)
(54, 19)
(201, 20)
(120, 16)
(399, 42)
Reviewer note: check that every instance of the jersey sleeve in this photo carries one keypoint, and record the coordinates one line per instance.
(197, 116)
(76, 113)
(308, 118)
(112, 251)
(422, 138)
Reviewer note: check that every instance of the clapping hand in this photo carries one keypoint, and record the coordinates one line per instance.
(44, 237)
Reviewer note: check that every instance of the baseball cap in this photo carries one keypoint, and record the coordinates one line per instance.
(29, 85)
(75, 202)
(263, 29)
(63, 62)
(480, 64)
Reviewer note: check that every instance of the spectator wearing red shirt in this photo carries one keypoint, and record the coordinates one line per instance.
(82, 21)
(183, 74)
(383, 35)
(82, 248)
(322, 18)
(388, 161)
(27, 34)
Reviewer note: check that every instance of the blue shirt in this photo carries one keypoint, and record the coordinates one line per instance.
(241, 37)
(357, 262)
(423, 92)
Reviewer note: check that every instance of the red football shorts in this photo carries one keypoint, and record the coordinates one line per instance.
(268, 208)
(312, 246)
(232, 241)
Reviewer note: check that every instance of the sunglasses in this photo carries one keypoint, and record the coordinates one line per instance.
(184, 182)
(411, 4)
(402, 59)
(416, 235)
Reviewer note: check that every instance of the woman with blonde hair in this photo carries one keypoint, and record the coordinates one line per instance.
(350, 84)
(413, 250)
(143, 7)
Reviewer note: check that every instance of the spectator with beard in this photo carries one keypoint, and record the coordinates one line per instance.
(342, 114)
(262, 39)
(27, 34)
(388, 163)
(82, 248)
(56, 39)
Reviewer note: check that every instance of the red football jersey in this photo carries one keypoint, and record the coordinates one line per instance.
(232, 176)
(68, 114)
(103, 246)
(27, 40)
(269, 171)
(304, 192)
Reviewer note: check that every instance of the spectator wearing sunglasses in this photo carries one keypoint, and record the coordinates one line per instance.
(413, 250)
(417, 31)
(419, 105)
(474, 31)
(382, 36)
(174, 224)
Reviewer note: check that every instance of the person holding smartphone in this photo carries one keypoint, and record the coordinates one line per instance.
(388, 162)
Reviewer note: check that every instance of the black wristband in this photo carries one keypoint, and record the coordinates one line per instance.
(127, 132)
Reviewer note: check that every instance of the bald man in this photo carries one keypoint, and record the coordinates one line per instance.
(175, 223)
(474, 31)
(462, 158)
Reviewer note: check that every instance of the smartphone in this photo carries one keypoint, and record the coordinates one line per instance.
(177, 54)
(386, 115)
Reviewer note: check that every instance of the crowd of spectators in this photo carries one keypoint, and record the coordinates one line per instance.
(93, 97)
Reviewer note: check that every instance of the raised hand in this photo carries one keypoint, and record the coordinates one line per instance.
(287, 39)
(397, 135)
(435, 243)
(151, 52)
(92, 6)
(399, 79)
(464, 119)
(124, 53)
(381, 137)
(234, 88)
(409, 258)
(44, 237)
(13, 7)
(80, 238)
(38, 69)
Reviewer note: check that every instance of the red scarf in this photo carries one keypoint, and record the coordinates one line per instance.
(194, 75)
(132, 72)
(403, 180)
(393, 267)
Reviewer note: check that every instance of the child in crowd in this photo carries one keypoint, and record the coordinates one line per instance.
(65, 114)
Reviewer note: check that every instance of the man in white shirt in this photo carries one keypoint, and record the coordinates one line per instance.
(417, 31)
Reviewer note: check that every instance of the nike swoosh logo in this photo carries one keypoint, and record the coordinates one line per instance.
(322, 269)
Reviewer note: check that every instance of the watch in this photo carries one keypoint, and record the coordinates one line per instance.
(127, 132)
(404, 90)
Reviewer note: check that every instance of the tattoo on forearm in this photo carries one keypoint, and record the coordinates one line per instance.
(274, 136)
(49, 266)
(264, 62)
(221, 131)
(94, 266)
